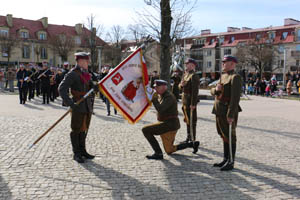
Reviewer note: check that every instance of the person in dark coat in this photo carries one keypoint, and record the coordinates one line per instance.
(44, 76)
(22, 84)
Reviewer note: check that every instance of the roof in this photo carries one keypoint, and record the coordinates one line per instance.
(33, 26)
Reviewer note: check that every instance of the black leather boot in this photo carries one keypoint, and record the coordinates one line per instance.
(83, 151)
(76, 148)
(182, 146)
(230, 164)
(196, 146)
(226, 151)
(156, 156)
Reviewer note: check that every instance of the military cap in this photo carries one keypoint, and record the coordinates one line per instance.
(45, 64)
(160, 82)
(82, 55)
(229, 58)
(191, 60)
(66, 63)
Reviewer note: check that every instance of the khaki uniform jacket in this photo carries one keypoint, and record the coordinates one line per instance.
(228, 105)
(72, 81)
(166, 106)
(190, 89)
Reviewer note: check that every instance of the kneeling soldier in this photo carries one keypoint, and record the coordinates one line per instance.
(166, 105)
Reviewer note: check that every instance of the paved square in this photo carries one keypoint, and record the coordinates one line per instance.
(267, 164)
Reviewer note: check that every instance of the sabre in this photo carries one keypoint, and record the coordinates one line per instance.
(64, 115)
(230, 142)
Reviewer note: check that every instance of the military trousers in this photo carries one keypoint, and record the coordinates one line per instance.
(187, 119)
(159, 128)
(223, 128)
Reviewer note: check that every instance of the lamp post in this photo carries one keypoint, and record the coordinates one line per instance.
(284, 66)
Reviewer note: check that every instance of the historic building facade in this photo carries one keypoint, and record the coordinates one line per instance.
(32, 41)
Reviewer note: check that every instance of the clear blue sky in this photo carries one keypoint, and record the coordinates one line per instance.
(216, 15)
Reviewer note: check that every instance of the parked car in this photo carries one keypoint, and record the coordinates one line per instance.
(204, 82)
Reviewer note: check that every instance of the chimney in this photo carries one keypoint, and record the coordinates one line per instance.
(44, 21)
(9, 20)
(290, 21)
(246, 28)
(232, 29)
(78, 29)
(205, 32)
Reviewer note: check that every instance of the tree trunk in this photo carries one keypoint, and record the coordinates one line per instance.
(165, 41)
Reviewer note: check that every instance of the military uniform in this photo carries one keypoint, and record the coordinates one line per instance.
(190, 89)
(45, 84)
(167, 115)
(227, 106)
(22, 85)
(79, 81)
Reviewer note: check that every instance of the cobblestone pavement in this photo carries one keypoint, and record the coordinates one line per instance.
(267, 164)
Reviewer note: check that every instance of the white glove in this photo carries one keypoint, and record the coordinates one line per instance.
(150, 92)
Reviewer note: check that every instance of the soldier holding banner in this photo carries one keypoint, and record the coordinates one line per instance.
(190, 88)
(226, 109)
(166, 105)
(78, 79)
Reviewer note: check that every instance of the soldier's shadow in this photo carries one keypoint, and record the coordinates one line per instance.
(212, 177)
(5, 193)
(279, 185)
(122, 185)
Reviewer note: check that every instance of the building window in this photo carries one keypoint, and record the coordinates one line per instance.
(208, 64)
(4, 51)
(281, 48)
(284, 35)
(298, 47)
(208, 53)
(24, 34)
(77, 40)
(42, 36)
(297, 62)
(298, 35)
(212, 41)
(227, 52)
(4, 33)
(43, 53)
(231, 39)
(221, 40)
(258, 36)
(26, 52)
(272, 35)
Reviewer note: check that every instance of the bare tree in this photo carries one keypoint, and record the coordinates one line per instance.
(62, 45)
(92, 40)
(167, 20)
(259, 54)
(137, 32)
(8, 43)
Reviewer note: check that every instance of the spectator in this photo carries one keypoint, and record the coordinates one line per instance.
(268, 89)
(289, 87)
(10, 77)
(2, 80)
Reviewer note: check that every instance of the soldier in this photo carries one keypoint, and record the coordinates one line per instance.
(44, 76)
(166, 105)
(190, 88)
(176, 81)
(22, 84)
(226, 109)
(78, 79)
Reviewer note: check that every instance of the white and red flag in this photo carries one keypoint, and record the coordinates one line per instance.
(125, 88)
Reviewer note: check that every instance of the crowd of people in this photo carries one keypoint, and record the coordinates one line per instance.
(255, 85)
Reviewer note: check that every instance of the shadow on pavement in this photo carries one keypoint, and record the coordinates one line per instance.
(223, 186)
(5, 193)
(281, 133)
(283, 187)
(124, 186)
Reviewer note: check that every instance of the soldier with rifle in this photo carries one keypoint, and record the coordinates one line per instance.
(226, 108)
(44, 76)
(190, 88)
(79, 80)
